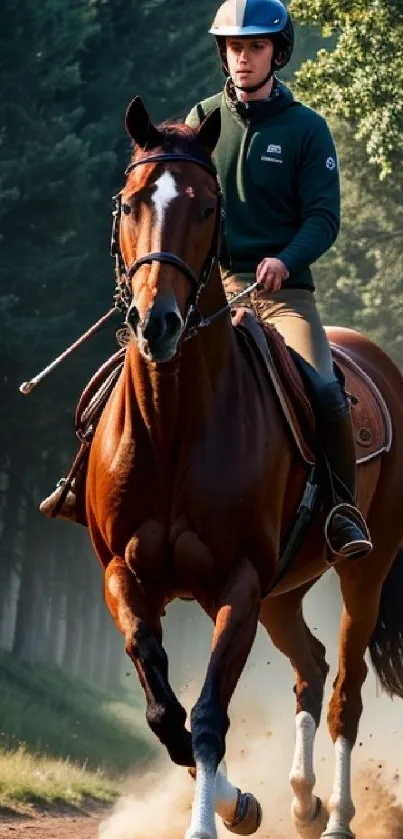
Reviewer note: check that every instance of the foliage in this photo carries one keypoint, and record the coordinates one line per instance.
(44, 163)
(45, 185)
(361, 79)
(44, 711)
(359, 281)
(28, 779)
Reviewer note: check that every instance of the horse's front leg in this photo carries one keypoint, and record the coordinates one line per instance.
(235, 614)
(136, 613)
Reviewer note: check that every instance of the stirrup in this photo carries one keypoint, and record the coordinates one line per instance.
(350, 538)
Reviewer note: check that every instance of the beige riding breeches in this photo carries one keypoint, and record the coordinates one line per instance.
(294, 313)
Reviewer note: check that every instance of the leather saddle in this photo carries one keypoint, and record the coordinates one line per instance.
(370, 414)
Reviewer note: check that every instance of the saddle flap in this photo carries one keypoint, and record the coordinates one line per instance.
(370, 415)
(285, 379)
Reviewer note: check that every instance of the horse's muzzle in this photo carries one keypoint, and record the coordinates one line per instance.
(159, 332)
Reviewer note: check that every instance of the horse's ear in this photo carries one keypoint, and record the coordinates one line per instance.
(209, 130)
(139, 126)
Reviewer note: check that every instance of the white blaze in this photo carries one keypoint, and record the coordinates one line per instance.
(166, 190)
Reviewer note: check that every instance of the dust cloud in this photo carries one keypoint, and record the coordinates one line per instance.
(260, 741)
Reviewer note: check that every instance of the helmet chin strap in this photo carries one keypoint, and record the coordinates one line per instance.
(255, 87)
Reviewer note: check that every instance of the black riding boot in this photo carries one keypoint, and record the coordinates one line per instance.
(346, 532)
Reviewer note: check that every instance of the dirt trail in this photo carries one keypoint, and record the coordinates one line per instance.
(165, 813)
(50, 827)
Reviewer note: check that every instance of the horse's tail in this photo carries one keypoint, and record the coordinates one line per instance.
(386, 645)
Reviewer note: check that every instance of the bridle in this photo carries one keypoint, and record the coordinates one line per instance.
(125, 273)
(123, 294)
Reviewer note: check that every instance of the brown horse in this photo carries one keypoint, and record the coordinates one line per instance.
(193, 480)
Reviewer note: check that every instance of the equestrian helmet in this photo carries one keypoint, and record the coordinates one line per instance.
(252, 18)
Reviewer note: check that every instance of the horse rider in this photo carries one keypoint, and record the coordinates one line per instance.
(278, 170)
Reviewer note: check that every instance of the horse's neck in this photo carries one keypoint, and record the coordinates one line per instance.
(166, 398)
(152, 394)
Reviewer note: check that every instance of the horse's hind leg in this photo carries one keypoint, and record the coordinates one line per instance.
(235, 613)
(138, 618)
(283, 620)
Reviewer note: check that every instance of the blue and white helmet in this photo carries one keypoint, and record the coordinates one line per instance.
(249, 18)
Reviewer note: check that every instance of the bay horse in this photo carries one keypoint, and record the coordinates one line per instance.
(192, 480)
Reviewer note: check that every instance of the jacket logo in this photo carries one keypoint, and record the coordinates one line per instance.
(330, 163)
(273, 154)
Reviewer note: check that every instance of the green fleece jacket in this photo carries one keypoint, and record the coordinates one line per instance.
(277, 165)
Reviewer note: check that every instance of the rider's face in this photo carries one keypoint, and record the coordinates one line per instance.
(248, 59)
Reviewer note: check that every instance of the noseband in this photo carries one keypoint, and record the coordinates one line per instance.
(124, 273)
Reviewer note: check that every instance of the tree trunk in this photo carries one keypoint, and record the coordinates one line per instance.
(31, 608)
(92, 604)
(103, 627)
(115, 654)
(55, 630)
(10, 521)
(74, 593)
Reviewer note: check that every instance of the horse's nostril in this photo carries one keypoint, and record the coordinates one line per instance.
(133, 317)
(172, 324)
(154, 328)
(162, 327)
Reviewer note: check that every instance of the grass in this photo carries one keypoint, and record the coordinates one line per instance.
(62, 740)
(28, 780)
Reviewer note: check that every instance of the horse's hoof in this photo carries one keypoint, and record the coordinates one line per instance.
(318, 822)
(248, 815)
(199, 834)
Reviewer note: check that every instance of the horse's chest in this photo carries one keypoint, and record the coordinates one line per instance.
(218, 482)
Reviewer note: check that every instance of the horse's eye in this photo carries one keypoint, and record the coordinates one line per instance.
(208, 212)
(126, 209)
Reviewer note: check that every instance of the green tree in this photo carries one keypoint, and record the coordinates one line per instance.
(44, 164)
(45, 182)
(360, 77)
(359, 281)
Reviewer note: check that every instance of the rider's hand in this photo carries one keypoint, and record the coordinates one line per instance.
(271, 272)
(237, 314)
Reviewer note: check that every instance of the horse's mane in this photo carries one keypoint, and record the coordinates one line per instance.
(177, 132)
(176, 137)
